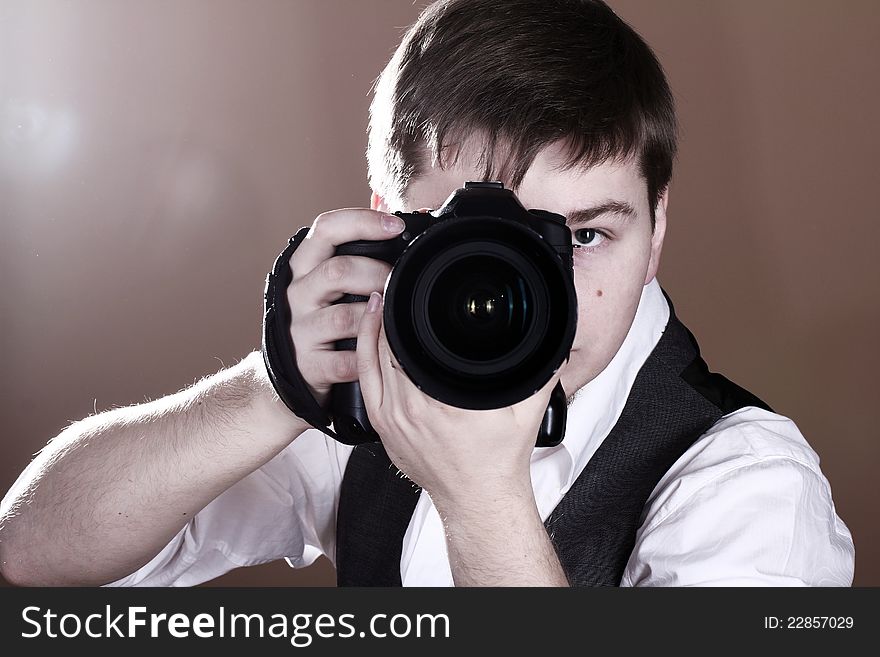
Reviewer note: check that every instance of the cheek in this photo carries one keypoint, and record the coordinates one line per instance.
(608, 292)
(608, 280)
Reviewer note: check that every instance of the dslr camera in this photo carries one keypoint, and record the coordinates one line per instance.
(480, 307)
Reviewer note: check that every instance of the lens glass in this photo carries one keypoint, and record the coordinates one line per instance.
(480, 308)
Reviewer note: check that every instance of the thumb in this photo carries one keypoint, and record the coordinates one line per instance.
(369, 371)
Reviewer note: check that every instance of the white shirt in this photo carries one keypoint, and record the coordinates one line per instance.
(745, 505)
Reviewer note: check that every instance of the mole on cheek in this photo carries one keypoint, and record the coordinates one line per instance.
(598, 293)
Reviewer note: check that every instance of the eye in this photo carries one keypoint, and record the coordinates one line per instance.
(587, 237)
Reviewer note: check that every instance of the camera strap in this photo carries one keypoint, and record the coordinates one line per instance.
(279, 353)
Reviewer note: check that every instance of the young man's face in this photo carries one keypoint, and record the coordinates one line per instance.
(620, 253)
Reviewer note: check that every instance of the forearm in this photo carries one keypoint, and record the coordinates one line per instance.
(498, 539)
(102, 498)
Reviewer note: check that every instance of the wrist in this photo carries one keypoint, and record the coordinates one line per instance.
(491, 498)
(504, 544)
(267, 406)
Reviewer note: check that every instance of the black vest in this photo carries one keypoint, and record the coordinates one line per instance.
(674, 400)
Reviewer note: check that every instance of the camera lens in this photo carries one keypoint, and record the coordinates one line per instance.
(479, 312)
(479, 308)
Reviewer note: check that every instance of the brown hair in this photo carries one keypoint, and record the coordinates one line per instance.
(522, 74)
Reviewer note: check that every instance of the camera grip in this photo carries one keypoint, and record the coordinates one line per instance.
(347, 406)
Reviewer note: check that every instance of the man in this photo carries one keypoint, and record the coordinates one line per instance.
(668, 475)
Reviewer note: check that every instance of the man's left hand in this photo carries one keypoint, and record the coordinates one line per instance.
(458, 456)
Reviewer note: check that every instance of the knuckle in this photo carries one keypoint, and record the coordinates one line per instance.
(381, 270)
(321, 224)
(334, 269)
(341, 318)
(411, 409)
(363, 365)
(345, 367)
(302, 323)
(301, 296)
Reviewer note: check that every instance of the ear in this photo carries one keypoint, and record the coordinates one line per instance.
(657, 237)
(378, 203)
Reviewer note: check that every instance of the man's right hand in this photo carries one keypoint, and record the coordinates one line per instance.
(108, 493)
(319, 279)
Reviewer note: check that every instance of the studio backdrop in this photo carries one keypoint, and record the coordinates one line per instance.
(155, 157)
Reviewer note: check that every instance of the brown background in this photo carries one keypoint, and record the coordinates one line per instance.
(154, 157)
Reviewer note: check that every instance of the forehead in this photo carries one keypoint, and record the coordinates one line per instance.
(547, 185)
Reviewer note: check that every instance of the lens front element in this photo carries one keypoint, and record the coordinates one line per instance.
(479, 308)
(480, 312)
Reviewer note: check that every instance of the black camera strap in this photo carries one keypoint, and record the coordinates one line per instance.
(279, 353)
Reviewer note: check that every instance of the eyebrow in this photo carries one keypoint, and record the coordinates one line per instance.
(619, 208)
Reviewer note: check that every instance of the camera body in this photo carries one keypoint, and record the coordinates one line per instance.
(480, 308)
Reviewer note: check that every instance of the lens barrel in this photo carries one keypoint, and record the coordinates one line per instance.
(479, 311)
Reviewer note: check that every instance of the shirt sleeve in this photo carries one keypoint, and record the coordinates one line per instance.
(747, 505)
(284, 509)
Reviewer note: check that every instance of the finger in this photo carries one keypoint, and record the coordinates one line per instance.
(337, 276)
(388, 365)
(394, 379)
(336, 227)
(322, 369)
(397, 385)
(369, 370)
(321, 328)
